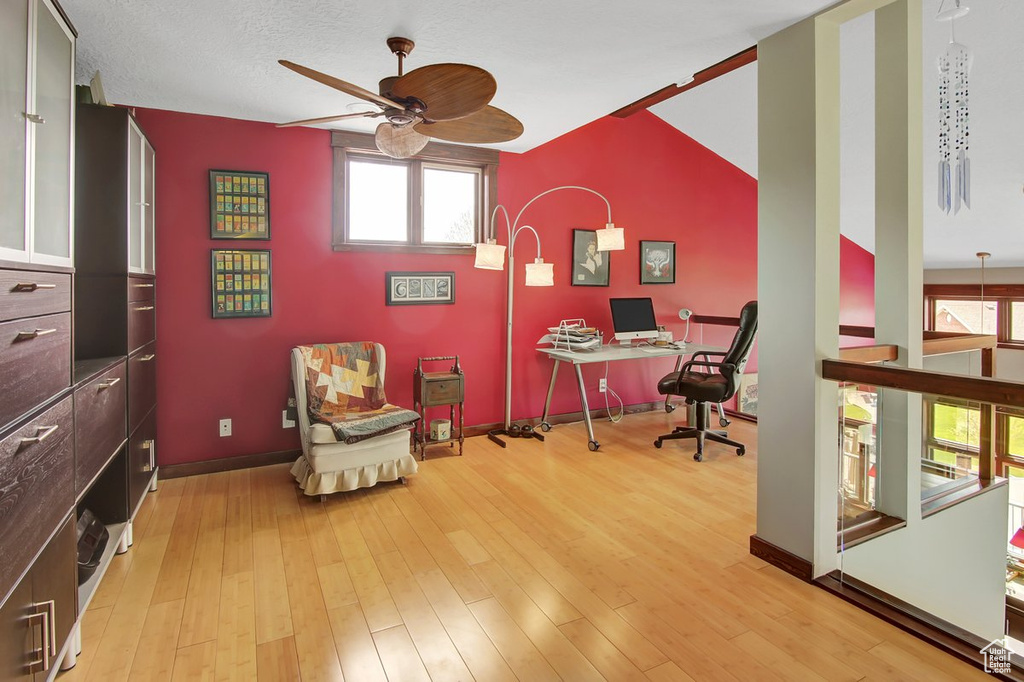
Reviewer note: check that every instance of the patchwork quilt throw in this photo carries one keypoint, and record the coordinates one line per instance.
(344, 390)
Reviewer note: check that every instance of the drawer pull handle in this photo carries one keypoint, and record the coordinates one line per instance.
(35, 333)
(108, 383)
(143, 286)
(146, 358)
(42, 433)
(143, 203)
(32, 286)
(51, 619)
(41, 664)
(34, 118)
(144, 308)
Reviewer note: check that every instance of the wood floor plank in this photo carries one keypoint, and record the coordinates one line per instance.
(522, 656)
(202, 596)
(356, 649)
(177, 564)
(273, 613)
(195, 663)
(276, 661)
(238, 526)
(154, 659)
(399, 656)
(668, 672)
(601, 653)
(236, 629)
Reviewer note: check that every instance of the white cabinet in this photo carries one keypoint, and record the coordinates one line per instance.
(37, 64)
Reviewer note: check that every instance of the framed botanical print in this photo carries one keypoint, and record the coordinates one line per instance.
(590, 267)
(657, 262)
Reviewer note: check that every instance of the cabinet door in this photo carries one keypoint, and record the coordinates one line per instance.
(136, 241)
(20, 637)
(13, 132)
(55, 591)
(149, 208)
(53, 125)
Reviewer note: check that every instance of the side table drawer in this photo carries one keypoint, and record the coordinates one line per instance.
(36, 468)
(35, 362)
(99, 422)
(442, 391)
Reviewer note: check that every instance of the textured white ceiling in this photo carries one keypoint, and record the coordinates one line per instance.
(718, 116)
(559, 65)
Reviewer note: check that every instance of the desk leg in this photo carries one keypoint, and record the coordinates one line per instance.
(592, 444)
(669, 407)
(544, 424)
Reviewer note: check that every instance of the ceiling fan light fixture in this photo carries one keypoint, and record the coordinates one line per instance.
(399, 142)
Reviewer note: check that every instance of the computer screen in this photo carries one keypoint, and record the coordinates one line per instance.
(633, 318)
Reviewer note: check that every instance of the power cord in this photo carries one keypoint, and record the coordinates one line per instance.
(607, 406)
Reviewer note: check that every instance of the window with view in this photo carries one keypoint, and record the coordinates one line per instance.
(433, 203)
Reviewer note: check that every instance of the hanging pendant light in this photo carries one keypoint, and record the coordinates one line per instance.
(399, 142)
(954, 178)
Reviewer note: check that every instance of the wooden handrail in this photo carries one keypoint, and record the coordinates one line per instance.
(854, 330)
(958, 343)
(981, 389)
(883, 353)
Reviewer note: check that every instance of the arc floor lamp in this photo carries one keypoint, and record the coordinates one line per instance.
(492, 256)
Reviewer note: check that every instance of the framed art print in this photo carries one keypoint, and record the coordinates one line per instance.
(589, 266)
(239, 205)
(657, 262)
(241, 283)
(419, 288)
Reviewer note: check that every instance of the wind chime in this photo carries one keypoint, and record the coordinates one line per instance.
(954, 117)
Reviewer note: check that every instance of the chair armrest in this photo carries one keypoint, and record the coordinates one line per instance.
(708, 353)
(703, 363)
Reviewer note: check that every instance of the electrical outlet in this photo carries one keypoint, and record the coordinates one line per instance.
(286, 423)
(225, 427)
(603, 385)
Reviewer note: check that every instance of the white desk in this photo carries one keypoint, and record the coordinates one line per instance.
(609, 353)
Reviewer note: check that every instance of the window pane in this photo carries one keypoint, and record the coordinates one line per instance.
(1015, 435)
(956, 424)
(965, 317)
(1016, 321)
(449, 206)
(378, 201)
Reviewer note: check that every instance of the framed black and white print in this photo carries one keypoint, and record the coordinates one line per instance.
(420, 288)
(589, 266)
(657, 262)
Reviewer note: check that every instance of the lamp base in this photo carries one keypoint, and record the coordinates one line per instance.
(513, 431)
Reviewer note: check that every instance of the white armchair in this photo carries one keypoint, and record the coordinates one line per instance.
(328, 465)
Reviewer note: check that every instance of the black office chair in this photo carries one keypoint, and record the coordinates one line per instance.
(702, 386)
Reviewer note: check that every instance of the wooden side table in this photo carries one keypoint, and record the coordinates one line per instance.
(433, 389)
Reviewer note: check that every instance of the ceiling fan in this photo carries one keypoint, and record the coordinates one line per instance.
(445, 101)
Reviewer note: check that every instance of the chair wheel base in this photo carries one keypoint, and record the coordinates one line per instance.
(593, 445)
(657, 443)
(698, 457)
(740, 452)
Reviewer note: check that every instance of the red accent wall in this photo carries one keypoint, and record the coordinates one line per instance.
(661, 184)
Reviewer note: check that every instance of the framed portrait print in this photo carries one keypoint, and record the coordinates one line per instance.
(419, 288)
(589, 266)
(657, 262)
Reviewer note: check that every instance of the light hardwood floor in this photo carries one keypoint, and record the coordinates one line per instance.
(539, 562)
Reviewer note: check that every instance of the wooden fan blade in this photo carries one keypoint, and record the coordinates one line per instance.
(449, 91)
(490, 124)
(339, 84)
(328, 119)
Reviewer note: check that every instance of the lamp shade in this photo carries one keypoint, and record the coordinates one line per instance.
(540, 274)
(490, 257)
(1018, 539)
(399, 143)
(611, 238)
(685, 313)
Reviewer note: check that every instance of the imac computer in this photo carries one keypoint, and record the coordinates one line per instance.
(633, 318)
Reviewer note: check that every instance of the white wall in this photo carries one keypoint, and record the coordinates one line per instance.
(950, 564)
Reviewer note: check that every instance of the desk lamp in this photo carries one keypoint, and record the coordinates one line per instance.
(685, 314)
(492, 256)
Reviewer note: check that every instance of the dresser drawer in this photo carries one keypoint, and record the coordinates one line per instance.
(141, 385)
(30, 294)
(36, 487)
(141, 289)
(141, 460)
(141, 324)
(99, 422)
(442, 391)
(35, 363)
